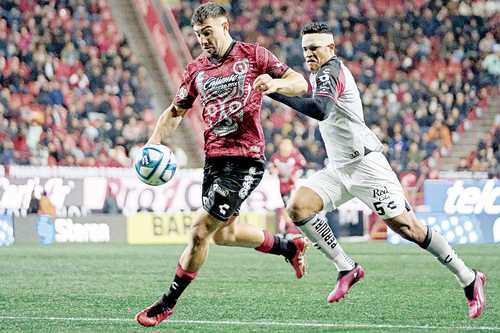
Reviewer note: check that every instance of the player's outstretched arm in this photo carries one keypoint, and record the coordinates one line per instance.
(290, 84)
(167, 124)
(318, 107)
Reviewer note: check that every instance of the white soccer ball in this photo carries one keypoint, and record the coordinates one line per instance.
(155, 164)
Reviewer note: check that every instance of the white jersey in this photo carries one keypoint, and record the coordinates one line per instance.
(344, 132)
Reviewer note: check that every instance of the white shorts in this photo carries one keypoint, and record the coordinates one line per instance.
(371, 180)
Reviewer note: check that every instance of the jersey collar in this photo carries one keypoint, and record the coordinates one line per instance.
(216, 61)
(334, 57)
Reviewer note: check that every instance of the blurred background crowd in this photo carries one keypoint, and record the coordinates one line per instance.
(73, 93)
(422, 68)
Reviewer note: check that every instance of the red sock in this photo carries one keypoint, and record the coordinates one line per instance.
(267, 244)
(180, 272)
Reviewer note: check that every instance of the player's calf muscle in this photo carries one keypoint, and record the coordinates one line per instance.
(408, 227)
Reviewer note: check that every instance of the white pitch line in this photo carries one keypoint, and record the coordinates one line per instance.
(265, 323)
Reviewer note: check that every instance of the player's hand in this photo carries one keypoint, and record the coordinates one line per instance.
(265, 84)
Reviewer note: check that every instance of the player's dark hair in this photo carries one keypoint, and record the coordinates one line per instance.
(209, 9)
(316, 28)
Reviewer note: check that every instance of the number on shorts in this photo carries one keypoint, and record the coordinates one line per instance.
(380, 210)
(222, 209)
(378, 207)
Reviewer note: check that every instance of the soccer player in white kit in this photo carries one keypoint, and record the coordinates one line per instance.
(357, 168)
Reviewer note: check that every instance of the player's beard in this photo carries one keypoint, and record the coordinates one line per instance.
(313, 65)
(211, 51)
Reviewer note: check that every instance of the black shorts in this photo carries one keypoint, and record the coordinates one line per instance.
(227, 182)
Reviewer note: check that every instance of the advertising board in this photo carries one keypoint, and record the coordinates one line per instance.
(464, 211)
(175, 228)
(123, 193)
(90, 229)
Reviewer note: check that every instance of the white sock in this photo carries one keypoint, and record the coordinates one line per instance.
(439, 247)
(317, 229)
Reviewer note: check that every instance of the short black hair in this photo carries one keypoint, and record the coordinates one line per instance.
(316, 28)
(209, 9)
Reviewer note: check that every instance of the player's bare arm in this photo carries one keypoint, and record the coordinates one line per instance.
(167, 124)
(291, 84)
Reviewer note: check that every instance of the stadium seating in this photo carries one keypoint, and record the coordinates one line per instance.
(419, 79)
(73, 93)
(487, 155)
(71, 90)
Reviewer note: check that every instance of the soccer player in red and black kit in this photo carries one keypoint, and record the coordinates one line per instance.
(230, 78)
(287, 163)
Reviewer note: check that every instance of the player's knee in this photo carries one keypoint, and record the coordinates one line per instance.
(297, 210)
(198, 238)
(199, 234)
(219, 239)
(304, 203)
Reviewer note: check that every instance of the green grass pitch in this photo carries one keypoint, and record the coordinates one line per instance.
(99, 288)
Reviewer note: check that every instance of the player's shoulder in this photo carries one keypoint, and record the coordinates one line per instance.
(245, 45)
(195, 64)
(333, 67)
(248, 49)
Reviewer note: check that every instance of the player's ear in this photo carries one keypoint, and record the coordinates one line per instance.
(225, 25)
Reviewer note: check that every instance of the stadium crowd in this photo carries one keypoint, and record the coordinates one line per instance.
(487, 156)
(73, 93)
(71, 90)
(423, 68)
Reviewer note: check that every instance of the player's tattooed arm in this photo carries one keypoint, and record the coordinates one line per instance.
(167, 124)
(290, 84)
(318, 107)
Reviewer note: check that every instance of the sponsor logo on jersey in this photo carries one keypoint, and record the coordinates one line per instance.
(223, 87)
